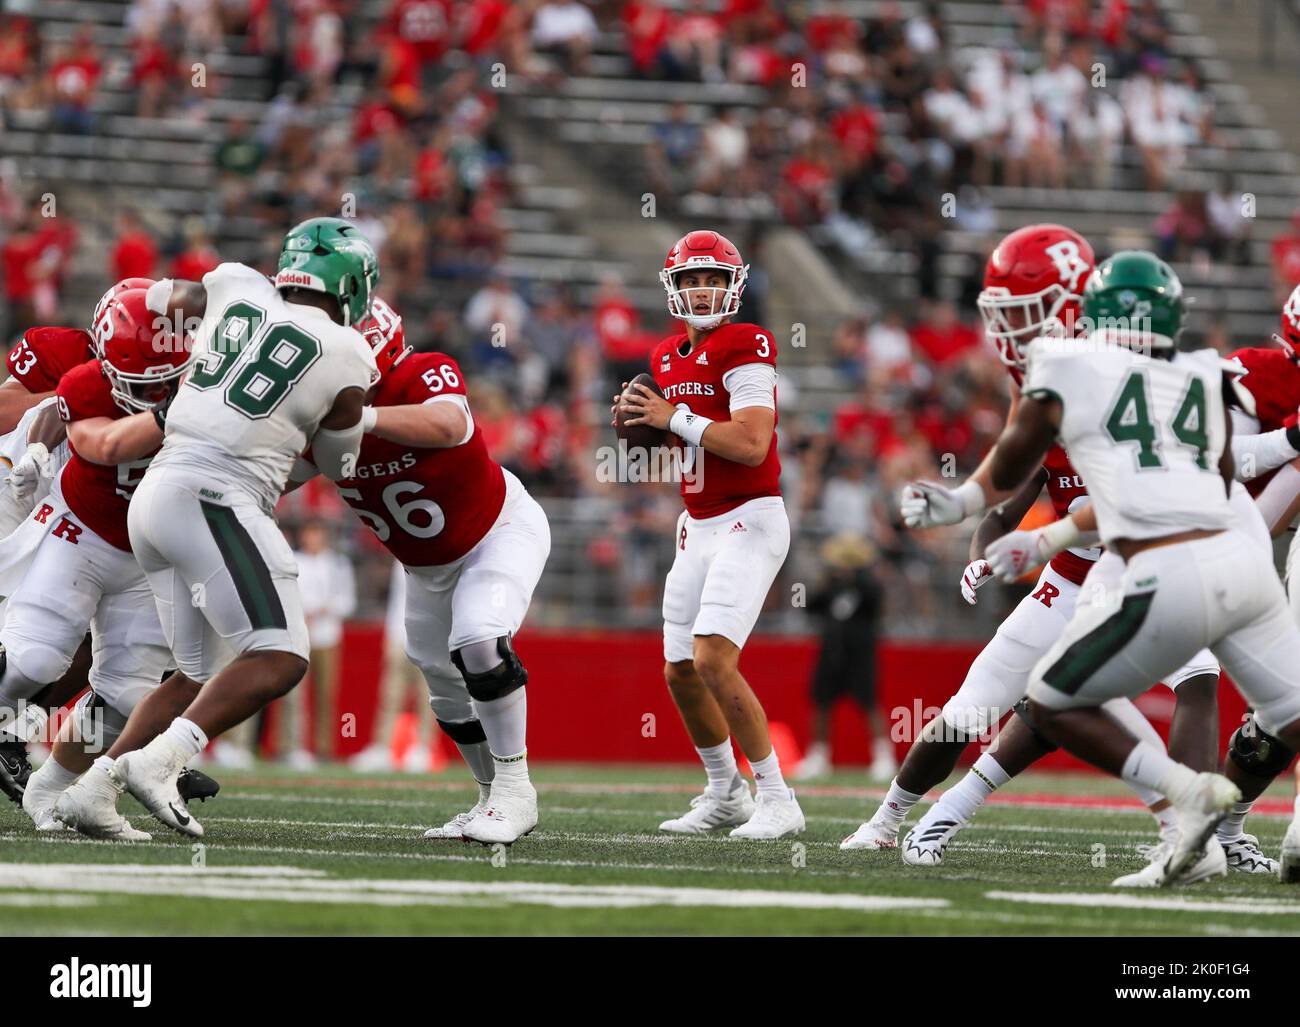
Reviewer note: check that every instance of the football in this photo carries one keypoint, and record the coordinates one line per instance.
(640, 435)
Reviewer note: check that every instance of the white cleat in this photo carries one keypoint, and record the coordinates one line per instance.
(880, 832)
(1244, 854)
(1289, 869)
(39, 799)
(90, 806)
(1199, 813)
(817, 763)
(373, 759)
(455, 827)
(150, 775)
(709, 812)
(508, 815)
(1212, 863)
(774, 817)
(925, 844)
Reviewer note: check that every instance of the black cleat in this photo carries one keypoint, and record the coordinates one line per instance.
(194, 784)
(15, 768)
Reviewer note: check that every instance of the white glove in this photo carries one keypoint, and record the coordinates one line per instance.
(28, 471)
(927, 505)
(1019, 551)
(978, 572)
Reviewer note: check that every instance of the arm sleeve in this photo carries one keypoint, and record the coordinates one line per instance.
(335, 452)
(751, 385)
(463, 403)
(1256, 454)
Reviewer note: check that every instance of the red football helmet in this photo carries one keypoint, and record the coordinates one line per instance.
(703, 250)
(1289, 339)
(382, 329)
(122, 286)
(138, 351)
(1034, 275)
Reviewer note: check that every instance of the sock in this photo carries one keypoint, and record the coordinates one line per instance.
(1231, 826)
(478, 757)
(1166, 822)
(1151, 767)
(187, 736)
(56, 776)
(1149, 796)
(105, 763)
(484, 791)
(510, 768)
(981, 781)
(767, 775)
(505, 721)
(720, 765)
(898, 802)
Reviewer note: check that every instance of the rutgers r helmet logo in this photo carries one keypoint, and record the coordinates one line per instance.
(1069, 264)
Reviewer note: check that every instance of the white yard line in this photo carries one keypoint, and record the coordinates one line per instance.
(1171, 903)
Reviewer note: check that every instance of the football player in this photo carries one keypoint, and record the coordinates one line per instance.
(1033, 280)
(718, 379)
(81, 573)
(1148, 427)
(278, 364)
(473, 543)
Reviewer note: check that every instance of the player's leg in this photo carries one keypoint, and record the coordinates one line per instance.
(223, 571)
(428, 628)
(1254, 759)
(739, 576)
(726, 800)
(489, 602)
(994, 683)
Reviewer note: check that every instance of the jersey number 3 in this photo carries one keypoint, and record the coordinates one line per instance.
(280, 357)
(1130, 421)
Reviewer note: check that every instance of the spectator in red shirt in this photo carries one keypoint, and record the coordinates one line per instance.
(71, 81)
(941, 337)
(18, 259)
(425, 25)
(198, 256)
(856, 128)
(135, 254)
(152, 74)
(648, 26)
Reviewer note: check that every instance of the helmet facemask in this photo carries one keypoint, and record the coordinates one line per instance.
(136, 393)
(724, 300)
(1011, 321)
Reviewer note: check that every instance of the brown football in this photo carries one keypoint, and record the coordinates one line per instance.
(640, 435)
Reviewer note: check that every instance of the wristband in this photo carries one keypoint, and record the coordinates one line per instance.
(369, 418)
(158, 295)
(971, 497)
(1060, 534)
(688, 427)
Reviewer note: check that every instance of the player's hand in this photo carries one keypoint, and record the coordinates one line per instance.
(977, 573)
(648, 407)
(1017, 552)
(927, 505)
(28, 471)
(613, 410)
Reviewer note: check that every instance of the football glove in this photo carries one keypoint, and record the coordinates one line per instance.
(927, 505)
(977, 573)
(28, 471)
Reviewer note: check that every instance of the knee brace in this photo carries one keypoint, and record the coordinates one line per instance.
(465, 732)
(487, 679)
(1021, 710)
(1257, 752)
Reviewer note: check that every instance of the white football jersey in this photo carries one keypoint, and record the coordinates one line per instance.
(1146, 434)
(265, 373)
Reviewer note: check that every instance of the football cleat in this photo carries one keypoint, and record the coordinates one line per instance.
(39, 798)
(924, 845)
(15, 768)
(508, 815)
(774, 817)
(194, 784)
(1244, 854)
(880, 832)
(455, 827)
(150, 775)
(709, 812)
(1289, 870)
(90, 806)
(1207, 802)
(1212, 863)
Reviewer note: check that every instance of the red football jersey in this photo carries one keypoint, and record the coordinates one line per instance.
(712, 485)
(427, 506)
(46, 354)
(1064, 488)
(1273, 379)
(96, 493)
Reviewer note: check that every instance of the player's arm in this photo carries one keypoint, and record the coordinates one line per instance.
(338, 439)
(994, 524)
(438, 424)
(982, 475)
(105, 440)
(170, 297)
(1227, 466)
(745, 439)
(1020, 551)
(1016, 457)
(15, 401)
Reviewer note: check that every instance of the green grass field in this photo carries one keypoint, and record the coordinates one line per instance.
(339, 853)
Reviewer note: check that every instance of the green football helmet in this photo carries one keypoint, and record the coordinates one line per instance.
(330, 255)
(1136, 291)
